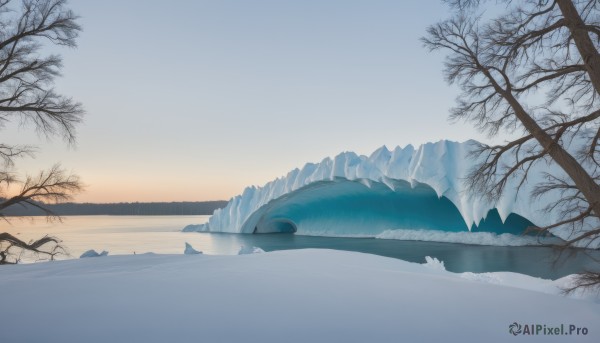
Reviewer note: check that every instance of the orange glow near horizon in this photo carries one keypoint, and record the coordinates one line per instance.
(99, 194)
(159, 185)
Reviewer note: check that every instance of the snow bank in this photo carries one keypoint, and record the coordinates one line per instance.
(477, 238)
(285, 296)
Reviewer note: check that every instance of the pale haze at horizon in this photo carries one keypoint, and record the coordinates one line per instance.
(195, 100)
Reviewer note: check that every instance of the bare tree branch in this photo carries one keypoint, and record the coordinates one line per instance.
(8, 242)
(26, 95)
(534, 46)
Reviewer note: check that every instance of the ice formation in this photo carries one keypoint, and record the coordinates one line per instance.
(244, 250)
(407, 188)
(434, 263)
(189, 250)
(93, 253)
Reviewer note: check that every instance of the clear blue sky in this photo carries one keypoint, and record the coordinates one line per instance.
(194, 100)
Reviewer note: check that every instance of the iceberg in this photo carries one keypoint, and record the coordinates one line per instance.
(93, 253)
(406, 188)
(189, 250)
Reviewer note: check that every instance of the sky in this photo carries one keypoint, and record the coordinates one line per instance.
(195, 100)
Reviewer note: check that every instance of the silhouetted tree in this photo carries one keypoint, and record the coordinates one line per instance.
(504, 64)
(27, 96)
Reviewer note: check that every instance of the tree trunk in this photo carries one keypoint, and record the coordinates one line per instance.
(582, 179)
(581, 37)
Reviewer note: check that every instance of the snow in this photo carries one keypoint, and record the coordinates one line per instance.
(93, 253)
(286, 296)
(477, 238)
(434, 263)
(440, 168)
(244, 250)
(189, 250)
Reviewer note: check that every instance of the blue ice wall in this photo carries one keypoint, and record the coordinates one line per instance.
(352, 208)
(514, 224)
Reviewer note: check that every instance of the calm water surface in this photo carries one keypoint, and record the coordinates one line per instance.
(161, 234)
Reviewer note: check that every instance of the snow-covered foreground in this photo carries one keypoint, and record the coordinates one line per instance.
(285, 296)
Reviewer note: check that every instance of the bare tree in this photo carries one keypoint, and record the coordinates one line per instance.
(504, 64)
(27, 96)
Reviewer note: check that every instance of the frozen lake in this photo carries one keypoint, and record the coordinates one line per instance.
(161, 234)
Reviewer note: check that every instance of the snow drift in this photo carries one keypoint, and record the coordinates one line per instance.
(407, 188)
(285, 296)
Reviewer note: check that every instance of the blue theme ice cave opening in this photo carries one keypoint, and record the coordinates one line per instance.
(408, 193)
(367, 208)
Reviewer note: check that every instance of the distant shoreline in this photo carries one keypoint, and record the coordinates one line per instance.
(120, 209)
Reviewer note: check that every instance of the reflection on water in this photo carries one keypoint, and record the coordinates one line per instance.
(535, 261)
(116, 234)
(160, 234)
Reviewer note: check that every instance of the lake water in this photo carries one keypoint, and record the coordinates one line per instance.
(161, 234)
